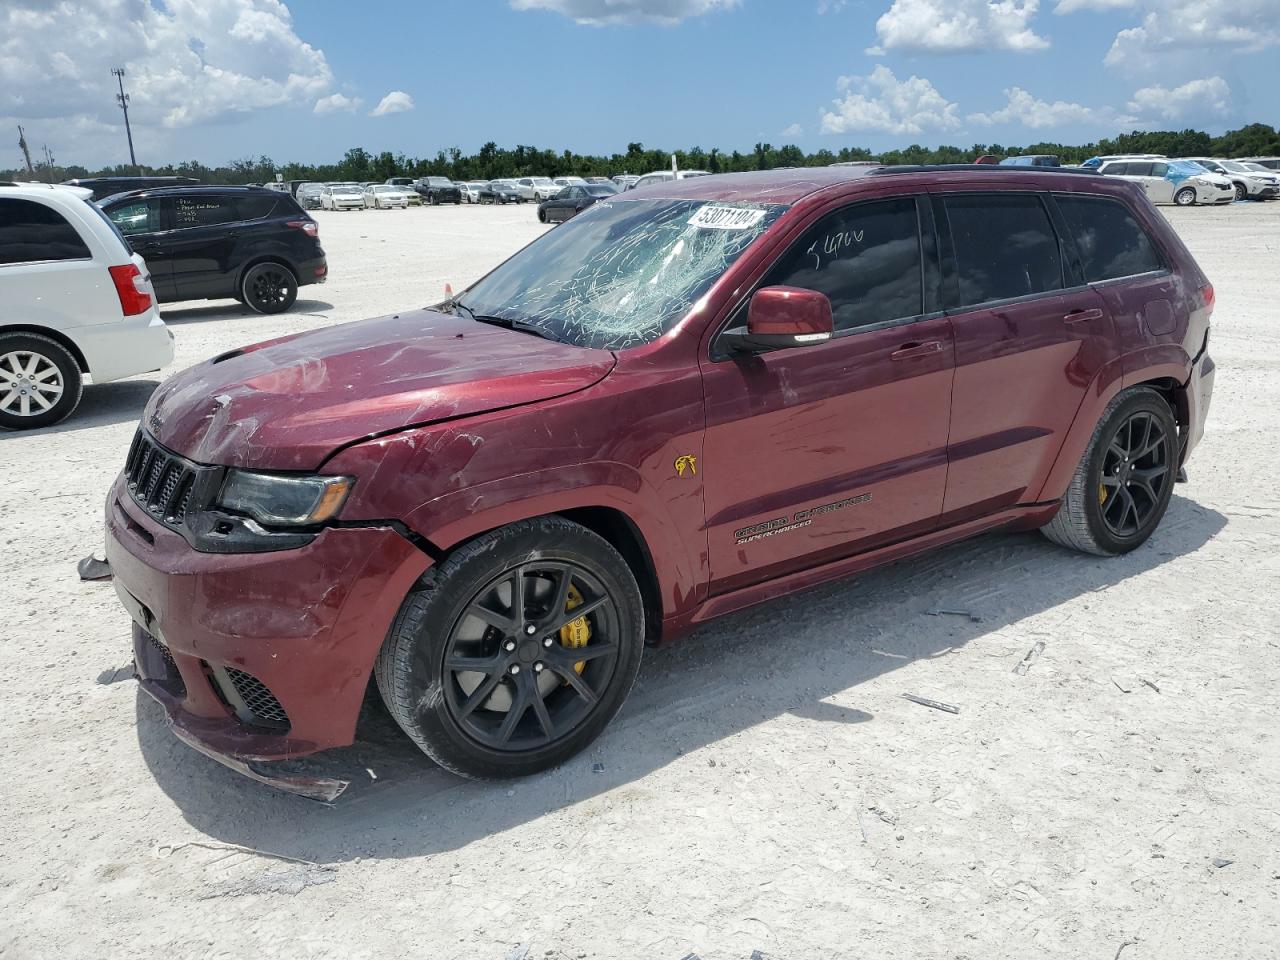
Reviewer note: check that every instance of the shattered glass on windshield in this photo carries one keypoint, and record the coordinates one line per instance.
(622, 272)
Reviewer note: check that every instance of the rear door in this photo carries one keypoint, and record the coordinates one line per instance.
(202, 244)
(142, 223)
(1159, 186)
(816, 453)
(1030, 336)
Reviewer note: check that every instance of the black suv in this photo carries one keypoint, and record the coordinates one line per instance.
(204, 243)
(435, 190)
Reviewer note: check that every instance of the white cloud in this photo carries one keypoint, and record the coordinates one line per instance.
(947, 26)
(598, 13)
(1205, 99)
(337, 103)
(882, 103)
(1071, 6)
(795, 130)
(1021, 109)
(187, 62)
(397, 101)
(1246, 26)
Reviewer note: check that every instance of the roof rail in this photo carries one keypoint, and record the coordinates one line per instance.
(983, 168)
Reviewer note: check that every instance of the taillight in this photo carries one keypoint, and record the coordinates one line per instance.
(1207, 297)
(131, 288)
(309, 227)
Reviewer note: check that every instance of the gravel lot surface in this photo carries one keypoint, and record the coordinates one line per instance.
(765, 788)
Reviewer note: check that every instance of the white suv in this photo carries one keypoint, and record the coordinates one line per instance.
(1248, 184)
(537, 188)
(77, 302)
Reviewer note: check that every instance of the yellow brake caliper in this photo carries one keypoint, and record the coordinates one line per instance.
(575, 634)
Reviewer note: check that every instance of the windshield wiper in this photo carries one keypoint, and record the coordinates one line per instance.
(520, 326)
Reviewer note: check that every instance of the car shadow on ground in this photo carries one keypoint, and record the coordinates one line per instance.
(208, 311)
(104, 404)
(787, 656)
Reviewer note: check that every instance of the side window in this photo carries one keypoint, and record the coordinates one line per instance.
(1140, 169)
(1116, 169)
(865, 258)
(31, 232)
(141, 216)
(1005, 246)
(203, 211)
(1111, 242)
(1159, 169)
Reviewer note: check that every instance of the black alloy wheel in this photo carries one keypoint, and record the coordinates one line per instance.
(269, 288)
(514, 680)
(1137, 467)
(1123, 485)
(516, 651)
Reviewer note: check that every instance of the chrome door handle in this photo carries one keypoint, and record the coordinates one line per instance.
(915, 349)
(1079, 316)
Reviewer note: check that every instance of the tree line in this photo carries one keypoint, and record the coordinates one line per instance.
(492, 162)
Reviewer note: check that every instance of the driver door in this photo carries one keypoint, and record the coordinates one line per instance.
(815, 453)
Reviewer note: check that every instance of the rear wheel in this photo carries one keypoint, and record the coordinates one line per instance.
(516, 652)
(269, 287)
(1185, 197)
(40, 382)
(1124, 482)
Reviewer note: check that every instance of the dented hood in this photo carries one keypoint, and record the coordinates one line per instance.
(288, 404)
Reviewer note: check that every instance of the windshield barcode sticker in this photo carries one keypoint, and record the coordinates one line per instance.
(726, 218)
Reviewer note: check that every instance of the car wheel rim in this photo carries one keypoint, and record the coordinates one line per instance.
(1240, 192)
(521, 676)
(1135, 474)
(30, 384)
(270, 288)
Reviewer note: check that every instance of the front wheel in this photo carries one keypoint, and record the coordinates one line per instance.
(542, 216)
(514, 654)
(1185, 197)
(1242, 192)
(269, 288)
(40, 382)
(1124, 482)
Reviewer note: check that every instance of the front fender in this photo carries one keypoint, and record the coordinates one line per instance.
(461, 515)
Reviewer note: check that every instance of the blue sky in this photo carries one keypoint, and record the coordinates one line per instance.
(218, 79)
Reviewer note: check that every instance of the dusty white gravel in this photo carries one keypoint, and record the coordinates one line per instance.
(765, 788)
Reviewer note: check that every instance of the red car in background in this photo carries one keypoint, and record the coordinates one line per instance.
(684, 401)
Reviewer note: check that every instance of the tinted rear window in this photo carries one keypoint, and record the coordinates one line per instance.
(255, 207)
(1111, 242)
(203, 211)
(30, 231)
(1005, 246)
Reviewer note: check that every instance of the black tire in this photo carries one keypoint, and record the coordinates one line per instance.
(1242, 192)
(542, 216)
(28, 356)
(1102, 487)
(269, 287)
(423, 695)
(435, 200)
(1185, 197)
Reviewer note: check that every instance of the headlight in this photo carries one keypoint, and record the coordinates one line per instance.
(284, 500)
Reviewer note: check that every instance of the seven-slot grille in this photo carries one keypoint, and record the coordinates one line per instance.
(159, 480)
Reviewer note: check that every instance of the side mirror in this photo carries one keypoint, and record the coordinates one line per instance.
(781, 317)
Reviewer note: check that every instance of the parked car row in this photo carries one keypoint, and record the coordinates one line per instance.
(1192, 180)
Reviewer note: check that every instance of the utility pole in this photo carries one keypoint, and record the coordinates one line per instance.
(48, 161)
(122, 98)
(26, 154)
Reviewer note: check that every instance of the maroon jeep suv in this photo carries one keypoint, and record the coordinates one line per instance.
(686, 400)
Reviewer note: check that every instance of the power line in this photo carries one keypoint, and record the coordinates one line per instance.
(122, 98)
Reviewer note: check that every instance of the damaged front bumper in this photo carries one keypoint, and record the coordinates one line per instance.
(259, 657)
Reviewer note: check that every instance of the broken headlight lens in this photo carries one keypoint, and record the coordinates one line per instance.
(281, 500)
